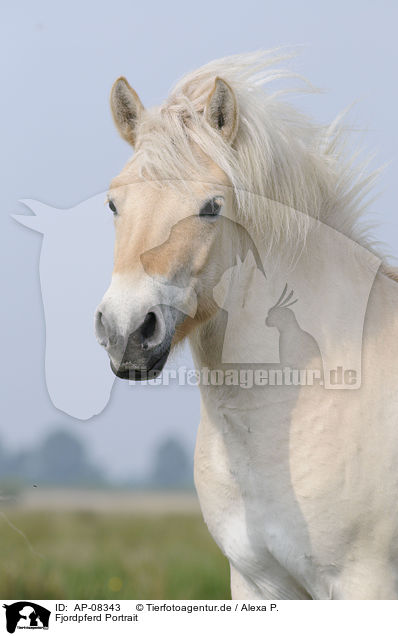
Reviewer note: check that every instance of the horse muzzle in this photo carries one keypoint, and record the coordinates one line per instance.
(141, 353)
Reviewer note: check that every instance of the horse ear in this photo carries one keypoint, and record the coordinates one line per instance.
(221, 110)
(126, 109)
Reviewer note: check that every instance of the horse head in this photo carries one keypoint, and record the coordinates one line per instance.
(173, 209)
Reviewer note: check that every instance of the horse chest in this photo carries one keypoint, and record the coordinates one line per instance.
(245, 494)
(222, 503)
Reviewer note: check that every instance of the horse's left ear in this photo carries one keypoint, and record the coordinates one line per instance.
(222, 111)
(126, 109)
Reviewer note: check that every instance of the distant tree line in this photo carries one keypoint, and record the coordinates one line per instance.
(172, 468)
(61, 460)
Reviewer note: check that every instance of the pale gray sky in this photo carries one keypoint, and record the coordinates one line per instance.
(59, 146)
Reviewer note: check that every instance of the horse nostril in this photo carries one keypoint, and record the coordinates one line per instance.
(102, 329)
(148, 327)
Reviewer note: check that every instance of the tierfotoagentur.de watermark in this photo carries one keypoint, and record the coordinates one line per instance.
(249, 378)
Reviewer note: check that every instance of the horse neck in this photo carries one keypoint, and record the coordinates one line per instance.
(331, 278)
(234, 321)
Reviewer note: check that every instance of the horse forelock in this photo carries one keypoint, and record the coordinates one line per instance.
(282, 166)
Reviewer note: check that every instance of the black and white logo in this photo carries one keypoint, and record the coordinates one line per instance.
(26, 615)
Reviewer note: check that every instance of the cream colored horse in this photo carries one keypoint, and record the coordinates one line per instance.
(297, 483)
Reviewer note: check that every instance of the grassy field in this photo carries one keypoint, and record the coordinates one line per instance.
(90, 555)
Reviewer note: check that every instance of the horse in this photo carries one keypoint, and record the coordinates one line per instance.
(297, 482)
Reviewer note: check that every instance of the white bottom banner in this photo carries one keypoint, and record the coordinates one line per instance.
(148, 617)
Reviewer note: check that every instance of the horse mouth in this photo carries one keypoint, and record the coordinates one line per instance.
(127, 371)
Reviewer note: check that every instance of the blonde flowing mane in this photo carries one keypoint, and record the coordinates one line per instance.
(283, 167)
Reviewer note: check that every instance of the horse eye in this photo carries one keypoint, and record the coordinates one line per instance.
(211, 207)
(112, 207)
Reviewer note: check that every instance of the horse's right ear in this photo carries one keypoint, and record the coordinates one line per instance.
(126, 109)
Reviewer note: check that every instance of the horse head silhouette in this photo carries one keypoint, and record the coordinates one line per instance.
(75, 260)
